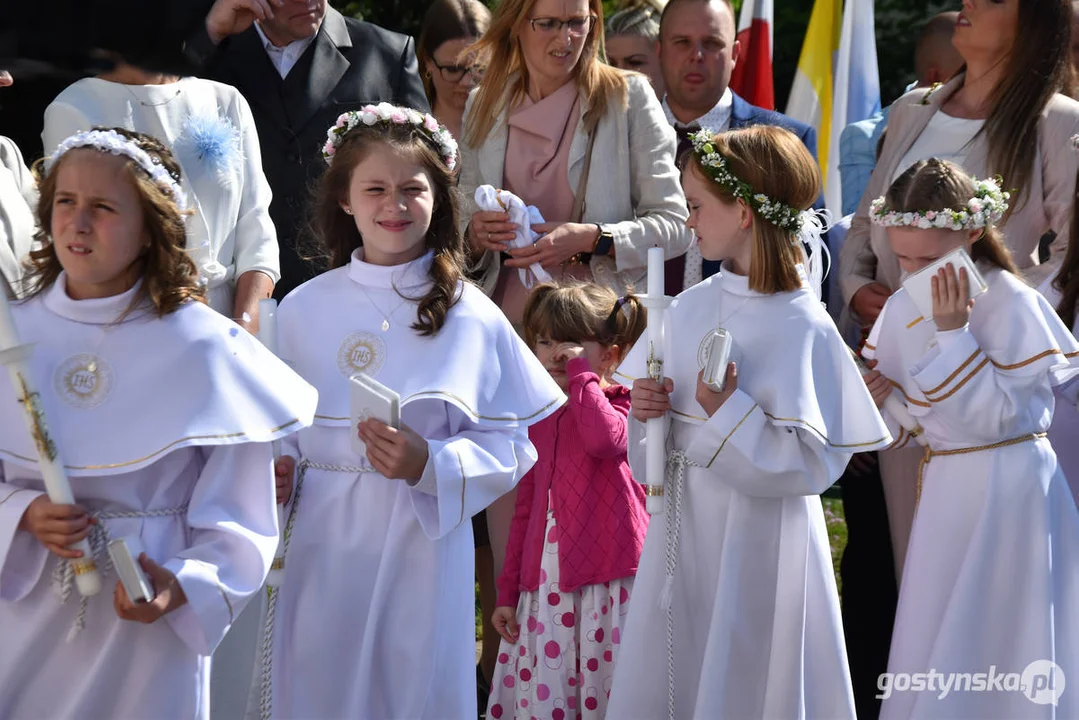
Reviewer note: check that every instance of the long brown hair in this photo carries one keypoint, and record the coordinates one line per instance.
(936, 184)
(575, 311)
(774, 162)
(1038, 67)
(447, 20)
(339, 236)
(500, 51)
(1067, 279)
(169, 276)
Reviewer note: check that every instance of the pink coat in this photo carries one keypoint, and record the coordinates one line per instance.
(597, 504)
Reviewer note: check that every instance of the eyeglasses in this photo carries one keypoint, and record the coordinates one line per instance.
(454, 73)
(578, 26)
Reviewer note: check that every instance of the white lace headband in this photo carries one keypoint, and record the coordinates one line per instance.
(113, 142)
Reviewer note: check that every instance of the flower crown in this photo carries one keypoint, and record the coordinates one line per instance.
(113, 142)
(986, 208)
(369, 115)
(715, 166)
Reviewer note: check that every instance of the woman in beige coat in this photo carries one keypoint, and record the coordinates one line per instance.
(1003, 116)
(572, 136)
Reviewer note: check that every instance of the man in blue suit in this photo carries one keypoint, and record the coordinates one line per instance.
(698, 49)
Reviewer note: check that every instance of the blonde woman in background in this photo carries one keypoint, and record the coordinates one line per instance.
(633, 41)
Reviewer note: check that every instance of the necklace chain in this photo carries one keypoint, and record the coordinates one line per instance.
(385, 317)
(149, 104)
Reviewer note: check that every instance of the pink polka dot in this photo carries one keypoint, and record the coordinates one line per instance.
(503, 658)
(610, 601)
(539, 628)
(531, 624)
(525, 674)
(521, 651)
(608, 656)
(572, 683)
(592, 664)
(553, 598)
(543, 575)
(571, 701)
(604, 610)
(616, 636)
(496, 711)
(543, 692)
(568, 619)
(552, 649)
(508, 681)
(599, 635)
(558, 714)
(591, 703)
(552, 535)
(524, 702)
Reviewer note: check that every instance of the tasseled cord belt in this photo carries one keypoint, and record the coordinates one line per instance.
(677, 462)
(63, 575)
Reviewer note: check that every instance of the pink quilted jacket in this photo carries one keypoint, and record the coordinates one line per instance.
(597, 504)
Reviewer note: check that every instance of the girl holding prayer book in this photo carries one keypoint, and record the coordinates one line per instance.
(163, 412)
(375, 608)
(735, 612)
(991, 572)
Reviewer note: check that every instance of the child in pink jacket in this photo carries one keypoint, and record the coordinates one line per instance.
(580, 519)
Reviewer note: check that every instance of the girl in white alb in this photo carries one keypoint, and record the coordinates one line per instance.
(735, 612)
(992, 570)
(163, 412)
(375, 614)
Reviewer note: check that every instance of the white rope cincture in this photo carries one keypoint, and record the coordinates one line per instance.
(266, 682)
(63, 577)
(676, 473)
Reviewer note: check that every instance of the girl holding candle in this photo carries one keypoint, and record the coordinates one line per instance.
(144, 385)
(735, 612)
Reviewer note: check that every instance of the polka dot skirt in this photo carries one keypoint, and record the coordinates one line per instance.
(563, 662)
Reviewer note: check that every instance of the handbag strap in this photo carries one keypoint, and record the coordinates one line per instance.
(578, 198)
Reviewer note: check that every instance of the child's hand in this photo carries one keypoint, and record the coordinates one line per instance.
(951, 298)
(880, 387)
(504, 622)
(564, 352)
(283, 469)
(648, 399)
(711, 400)
(57, 527)
(168, 595)
(396, 454)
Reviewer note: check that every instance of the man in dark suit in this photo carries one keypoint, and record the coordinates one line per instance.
(698, 49)
(300, 64)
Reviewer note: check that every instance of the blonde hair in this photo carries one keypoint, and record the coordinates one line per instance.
(574, 311)
(170, 277)
(499, 50)
(774, 162)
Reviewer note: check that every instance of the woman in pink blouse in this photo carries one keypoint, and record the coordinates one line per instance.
(580, 520)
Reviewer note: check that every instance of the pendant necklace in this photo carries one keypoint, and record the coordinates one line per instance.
(150, 104)
(385, 317)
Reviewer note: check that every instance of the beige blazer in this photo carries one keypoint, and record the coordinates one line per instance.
(634, 188)
(866, 256)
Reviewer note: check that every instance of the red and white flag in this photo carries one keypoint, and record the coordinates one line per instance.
(752, 76)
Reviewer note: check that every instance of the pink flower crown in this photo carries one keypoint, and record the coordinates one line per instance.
(371, 115)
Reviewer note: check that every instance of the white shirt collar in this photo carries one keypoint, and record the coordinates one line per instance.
(284, 58)
(718, 118)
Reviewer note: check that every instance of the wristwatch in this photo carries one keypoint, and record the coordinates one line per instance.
(604, 242)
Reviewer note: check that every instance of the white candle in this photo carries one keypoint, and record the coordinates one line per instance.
(267, 335)
(16, 357)
(656, 428)
(655, 271)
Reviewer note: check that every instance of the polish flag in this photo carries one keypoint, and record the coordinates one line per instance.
(752, 76)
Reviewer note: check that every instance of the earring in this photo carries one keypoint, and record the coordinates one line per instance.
(348, 211)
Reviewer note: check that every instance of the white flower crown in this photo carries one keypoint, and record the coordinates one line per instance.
(369, 115)
(986, 208)
(715, 166)
(113, 142)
